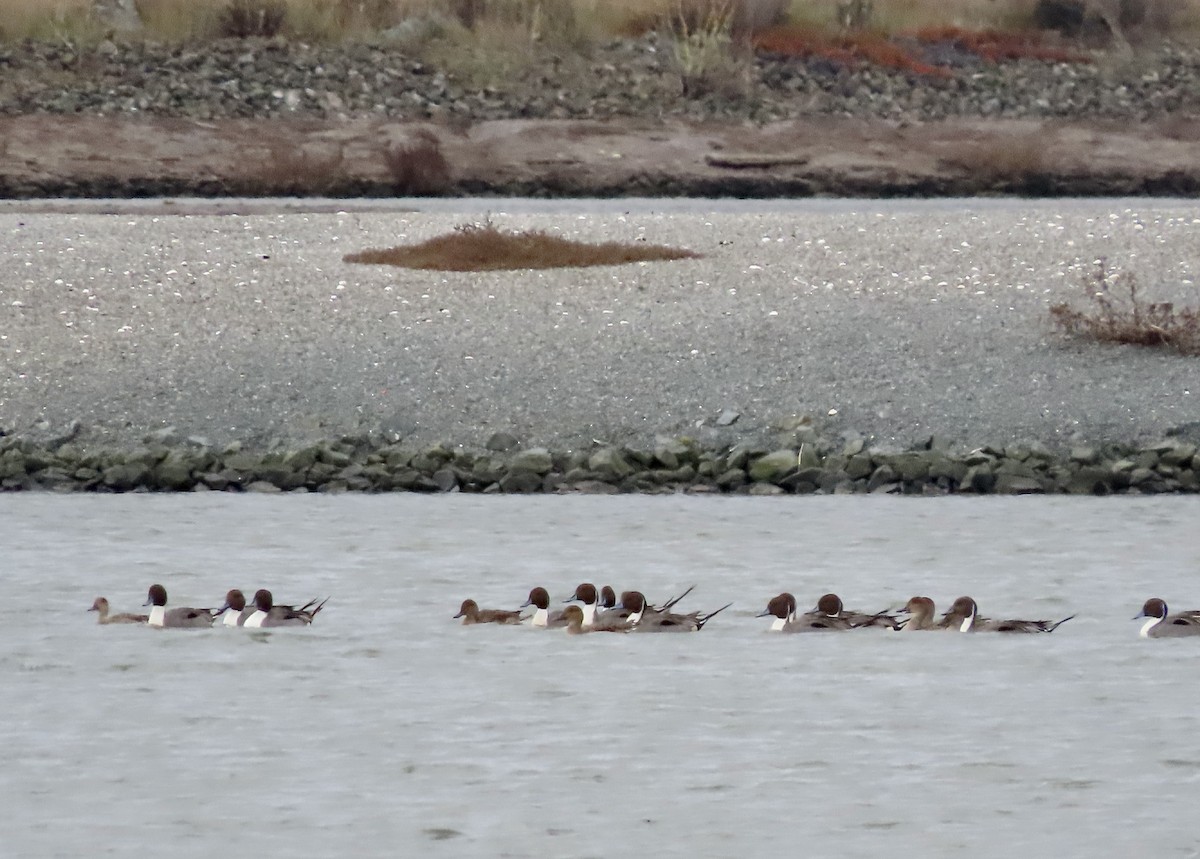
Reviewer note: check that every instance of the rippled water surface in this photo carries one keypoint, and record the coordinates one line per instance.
(387, 729)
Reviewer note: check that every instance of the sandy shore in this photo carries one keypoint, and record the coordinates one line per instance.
(893, 321)
(104, 156)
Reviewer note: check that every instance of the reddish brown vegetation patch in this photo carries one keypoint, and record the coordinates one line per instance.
(904, 53)
(484, 247)
(996, 45)
(847, 49)
(1128, 319)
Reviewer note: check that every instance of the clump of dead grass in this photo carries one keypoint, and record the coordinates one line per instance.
(418, 168)
(1119, 314)
(290, 170)
(485, 247)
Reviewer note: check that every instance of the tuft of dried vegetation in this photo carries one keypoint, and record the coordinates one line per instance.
(485, 247)
(244, 19)
(703, 46)
(418, 168)
(1013, 160)
(1119, 314)
(288, 170)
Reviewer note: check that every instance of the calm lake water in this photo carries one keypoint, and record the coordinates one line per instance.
(388, 729)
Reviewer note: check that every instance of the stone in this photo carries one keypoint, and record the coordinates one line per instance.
(1015, 484)
(859, 466)
(727, 418)
(731, 478)
(521, 482)
(610, 464)
(446, 479)
(1088, 480)
(174, 472)
(979, 478)
(537, 460)
(126, 476)
(910, 466)
(772, 466)
(884, 474)
(262, 486)
(764, 489)
(1085, 454)
(502, 442)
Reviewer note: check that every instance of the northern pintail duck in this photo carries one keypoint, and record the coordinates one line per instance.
(575, 626)
(644, 617)
(921, 611)
(964, 615)
(783, 609)
(266, 614)
(471, 613)
(234, 610)
(608, 599)
(176, 618)
(101, 607)
(1164, 625)
(587, 595)
(542, 617)
(830, 605)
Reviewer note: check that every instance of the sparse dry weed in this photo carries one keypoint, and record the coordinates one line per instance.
(418, 168)
(1119, 314)
(288, 170)
(485, 247)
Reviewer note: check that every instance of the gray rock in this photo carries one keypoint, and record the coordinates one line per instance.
(610, 464)
(502, 442)
(772, 466)
(537, 460)
(521, 482)
(728, 417)
(262, 486)
(1015, 484)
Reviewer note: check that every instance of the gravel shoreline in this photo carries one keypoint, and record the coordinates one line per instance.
(827, 330)
(277, 78)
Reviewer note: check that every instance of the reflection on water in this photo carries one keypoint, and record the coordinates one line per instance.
(387, 729)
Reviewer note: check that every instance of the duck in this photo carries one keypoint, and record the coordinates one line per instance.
(921, 611)
(783, 608)
(542, 617)
(586, 594)
(574, 616)
(608, 599)
(964, 614)
(471, 613)
(101, 607)
(830, 605)
(176, 618)
(266, 614)
(1161, 624)
(644, 617)
(234, 609)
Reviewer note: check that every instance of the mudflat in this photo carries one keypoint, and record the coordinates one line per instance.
(890, 321)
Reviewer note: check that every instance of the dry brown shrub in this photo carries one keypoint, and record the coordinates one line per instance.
(485, 247)
(243, 19)
(1017, 158)
(1128, 318)
(418, 168)
(288, 170)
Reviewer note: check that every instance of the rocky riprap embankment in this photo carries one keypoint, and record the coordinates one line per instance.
(369, 463)
(278, 78)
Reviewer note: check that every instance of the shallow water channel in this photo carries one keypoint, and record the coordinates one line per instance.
(388, 729)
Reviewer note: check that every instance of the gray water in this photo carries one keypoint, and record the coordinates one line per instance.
(388, 729)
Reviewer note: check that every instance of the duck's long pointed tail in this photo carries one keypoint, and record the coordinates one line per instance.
(703, 619)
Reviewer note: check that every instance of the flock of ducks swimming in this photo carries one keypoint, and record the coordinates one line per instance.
(592, 610)
(264, 614)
